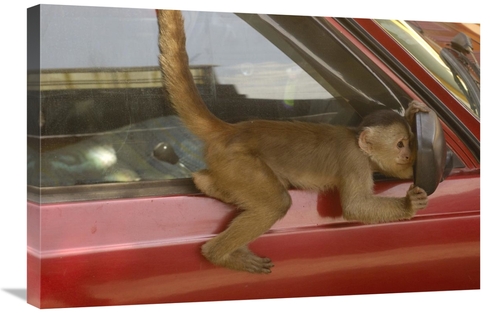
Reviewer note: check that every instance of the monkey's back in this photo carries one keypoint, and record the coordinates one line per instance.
(303, 155)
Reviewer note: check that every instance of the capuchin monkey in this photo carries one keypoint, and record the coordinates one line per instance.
(252, 164)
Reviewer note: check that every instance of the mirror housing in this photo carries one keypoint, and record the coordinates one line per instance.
(434, 160)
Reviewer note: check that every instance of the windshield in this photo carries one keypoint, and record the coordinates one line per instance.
(457, 82)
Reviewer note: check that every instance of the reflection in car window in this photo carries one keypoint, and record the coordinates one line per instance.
(428, 57)
(103, 114)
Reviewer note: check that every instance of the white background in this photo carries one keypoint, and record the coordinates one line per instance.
(13, 155)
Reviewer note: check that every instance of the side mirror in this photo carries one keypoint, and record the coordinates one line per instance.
(165, 152)
(434, 160)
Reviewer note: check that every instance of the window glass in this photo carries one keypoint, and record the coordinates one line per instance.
(103, 115)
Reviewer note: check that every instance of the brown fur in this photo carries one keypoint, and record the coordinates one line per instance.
(252, 164)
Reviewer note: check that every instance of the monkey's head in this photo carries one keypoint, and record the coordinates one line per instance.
(386, 137)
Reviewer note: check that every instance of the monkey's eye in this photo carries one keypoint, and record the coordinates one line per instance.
(401, 145)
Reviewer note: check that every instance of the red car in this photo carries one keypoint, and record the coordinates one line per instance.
(113, 215)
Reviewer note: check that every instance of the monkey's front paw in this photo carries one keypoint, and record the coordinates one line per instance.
(414, 107)
(416, 198)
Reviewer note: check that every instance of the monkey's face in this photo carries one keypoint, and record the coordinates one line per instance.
(389, 148)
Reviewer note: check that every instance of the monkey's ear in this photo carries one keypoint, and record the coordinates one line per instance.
(364, 140)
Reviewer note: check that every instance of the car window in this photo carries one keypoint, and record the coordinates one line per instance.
(97, 112)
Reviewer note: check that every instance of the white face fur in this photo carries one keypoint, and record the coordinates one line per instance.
(389, 148)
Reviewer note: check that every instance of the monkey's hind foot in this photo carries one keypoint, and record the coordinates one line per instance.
(242, 260)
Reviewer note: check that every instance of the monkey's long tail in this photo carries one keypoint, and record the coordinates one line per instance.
(178, 80)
